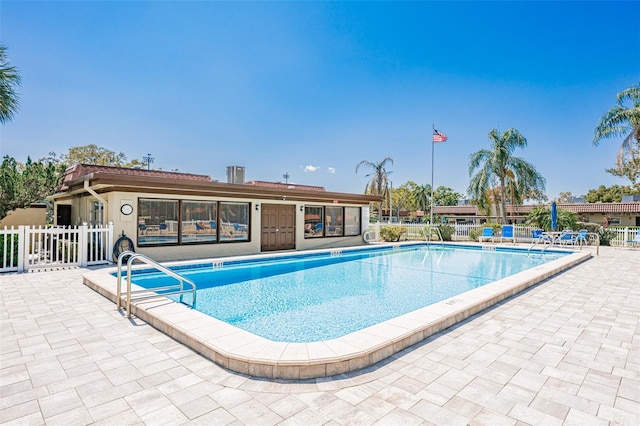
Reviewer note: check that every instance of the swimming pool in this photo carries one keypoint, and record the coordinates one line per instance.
(327, 295)
(247, 353)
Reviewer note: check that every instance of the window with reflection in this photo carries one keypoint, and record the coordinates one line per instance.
(199, 222)
(351, 221)
(234, 221)
(157, 222)
(333, 221)
(313, 221)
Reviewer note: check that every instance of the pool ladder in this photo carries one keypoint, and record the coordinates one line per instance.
(428, 233)
(150, 293)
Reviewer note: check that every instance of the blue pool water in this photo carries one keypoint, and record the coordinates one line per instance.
(306, 298)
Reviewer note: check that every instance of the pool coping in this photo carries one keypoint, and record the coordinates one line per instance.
(244, 352)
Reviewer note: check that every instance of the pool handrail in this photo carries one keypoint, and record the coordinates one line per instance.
(132, 256)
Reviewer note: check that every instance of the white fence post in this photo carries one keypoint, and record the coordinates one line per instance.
(109, 248)
(23, 248)
(83, 248)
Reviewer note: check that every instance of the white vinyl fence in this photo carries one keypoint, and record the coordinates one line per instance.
(27, 248)
(415, 231)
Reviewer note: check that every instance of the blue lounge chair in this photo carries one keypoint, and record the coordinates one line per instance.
(239, 227)
(487, 232)
(142, 227)
(635, 242)
(566, 238)
(212, 223)
(581, 237)
(162, 227)
(507, 233)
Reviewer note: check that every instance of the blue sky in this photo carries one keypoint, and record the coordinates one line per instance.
(313, 88)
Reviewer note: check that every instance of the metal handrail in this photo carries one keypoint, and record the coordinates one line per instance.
(147, 260)
(428, 229)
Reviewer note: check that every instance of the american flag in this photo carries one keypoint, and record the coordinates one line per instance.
(439, 137)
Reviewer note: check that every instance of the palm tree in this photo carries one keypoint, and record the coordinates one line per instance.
(9, 80)
(378, 183)
(623, 121)
(500, 171)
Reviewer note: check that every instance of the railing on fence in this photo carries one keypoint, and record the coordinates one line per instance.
(27, 247)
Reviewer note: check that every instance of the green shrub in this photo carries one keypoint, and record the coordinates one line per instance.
(606, 235)
(392, 233)
(446, 231)
(474, 234)
(589, 226)
(5, 257)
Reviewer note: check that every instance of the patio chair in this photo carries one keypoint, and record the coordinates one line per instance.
(635, 241)
(143, 228)
(212, 224)
(239, 227)
(199, 226)
(507, 233)
(162, 227)
(539, 236)
(487, 232)
(581, 237)
(567, 238)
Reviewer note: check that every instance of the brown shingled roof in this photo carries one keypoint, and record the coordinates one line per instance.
(77, 171)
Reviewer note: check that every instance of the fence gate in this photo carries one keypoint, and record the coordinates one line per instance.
(28, 248)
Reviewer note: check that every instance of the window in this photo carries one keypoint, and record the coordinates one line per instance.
(199, 221)
(96, 214)
(333, 221)
(234, 221)
(313, 221)
(191, 222)
(155, 218)
(352, 221)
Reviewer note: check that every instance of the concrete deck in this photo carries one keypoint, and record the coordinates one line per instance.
(567, 351)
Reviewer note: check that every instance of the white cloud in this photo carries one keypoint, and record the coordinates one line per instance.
(331, 170)
(310, 168)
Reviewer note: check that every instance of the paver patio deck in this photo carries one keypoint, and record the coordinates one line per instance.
(565, 352)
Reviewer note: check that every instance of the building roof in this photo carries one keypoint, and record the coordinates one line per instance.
(103, 179)
(284, 185)
(78, 171)
(581, 208)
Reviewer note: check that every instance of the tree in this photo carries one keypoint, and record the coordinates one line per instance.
(9, 81)
(565, 197)
(445, 196)
(612, 194)
(501, 175)
(23, 184)
(93, 154)
(402, 199)
(541, 217)
(378, 183)
(623, 121)
(420, 194)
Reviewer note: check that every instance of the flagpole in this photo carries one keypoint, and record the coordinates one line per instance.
(433, 130)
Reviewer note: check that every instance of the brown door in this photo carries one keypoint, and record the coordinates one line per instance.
(63, 215)
(278, 227)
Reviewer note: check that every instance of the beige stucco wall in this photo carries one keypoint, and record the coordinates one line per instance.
(31, 216)
(81, 208)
